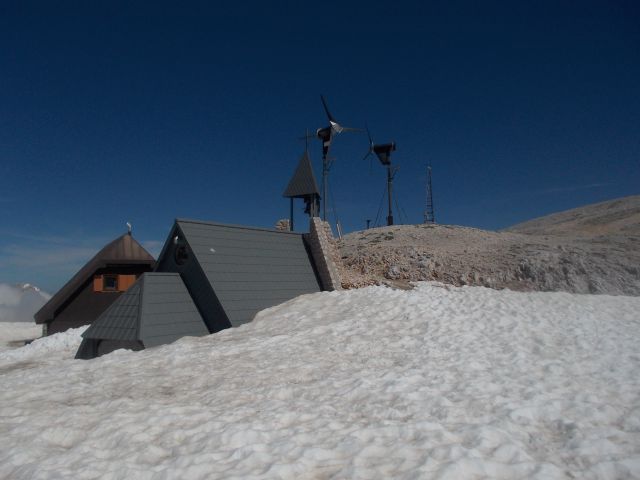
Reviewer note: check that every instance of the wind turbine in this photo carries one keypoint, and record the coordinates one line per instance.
(326, 134)
(383, 152)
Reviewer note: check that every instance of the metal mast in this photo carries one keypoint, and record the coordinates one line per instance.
(429, 216)
(383, 152)
(325, 185)
(326, 135)
(391, 172)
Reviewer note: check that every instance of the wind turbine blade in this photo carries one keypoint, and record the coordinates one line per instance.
(326, 109)
(336, 127)
(369, 135)
(351, 129)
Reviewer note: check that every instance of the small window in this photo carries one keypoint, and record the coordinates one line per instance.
(109, 283)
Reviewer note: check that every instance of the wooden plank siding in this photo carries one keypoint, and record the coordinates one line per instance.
(125, 282)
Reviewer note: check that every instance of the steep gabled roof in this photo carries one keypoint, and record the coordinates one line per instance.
(156, 310)
(124, 250)
(303, 181)
(249, 269)
(120, 320)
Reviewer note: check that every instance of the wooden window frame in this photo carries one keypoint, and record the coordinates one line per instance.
(110, 276)
(122, 281)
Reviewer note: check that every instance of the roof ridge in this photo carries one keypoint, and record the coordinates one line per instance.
(231, 225)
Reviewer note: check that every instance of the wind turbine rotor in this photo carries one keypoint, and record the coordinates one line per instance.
(371, 150)
(326, 109)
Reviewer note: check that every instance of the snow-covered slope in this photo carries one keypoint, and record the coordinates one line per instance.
(13, 334)
(435, 382)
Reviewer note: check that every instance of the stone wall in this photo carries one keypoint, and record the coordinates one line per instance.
(325, 253)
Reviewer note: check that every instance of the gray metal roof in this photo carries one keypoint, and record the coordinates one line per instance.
(168, 312)
(124, 250)
(303, 181)
(250, 269)
(120, 320)
(157, 309)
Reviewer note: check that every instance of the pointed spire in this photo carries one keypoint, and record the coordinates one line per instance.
(303, 181)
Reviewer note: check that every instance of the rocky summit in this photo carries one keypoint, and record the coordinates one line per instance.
(592, 249)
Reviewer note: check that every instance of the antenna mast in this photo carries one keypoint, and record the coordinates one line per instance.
(383, 152)
(391, 172)
(429, 216)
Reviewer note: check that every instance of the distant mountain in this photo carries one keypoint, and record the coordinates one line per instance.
(19, 302)
(619, 216)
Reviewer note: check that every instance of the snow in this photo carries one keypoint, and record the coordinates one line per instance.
(435, 382)
(14, 333)
(60, 346)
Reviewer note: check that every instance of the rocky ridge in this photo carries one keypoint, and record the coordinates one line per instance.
(555, 253)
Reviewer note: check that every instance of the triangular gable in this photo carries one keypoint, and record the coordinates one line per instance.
(124, 250)
(156, 310)
(250, 269)
(303, 182)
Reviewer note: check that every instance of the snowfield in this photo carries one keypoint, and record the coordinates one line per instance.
(436, 382)
(14, 333)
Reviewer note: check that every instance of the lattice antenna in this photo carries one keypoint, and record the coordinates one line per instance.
(429, 215)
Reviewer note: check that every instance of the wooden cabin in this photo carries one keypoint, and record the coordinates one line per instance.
(95, 286)
(209, 277)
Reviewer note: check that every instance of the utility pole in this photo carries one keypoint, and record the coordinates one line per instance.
(389, 194)
(391, 173)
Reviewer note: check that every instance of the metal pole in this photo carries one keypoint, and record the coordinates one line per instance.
(389, 180)
(291, 215)
(431, 209)
(325, 175)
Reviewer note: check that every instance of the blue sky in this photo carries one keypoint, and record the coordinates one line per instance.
(143, 112)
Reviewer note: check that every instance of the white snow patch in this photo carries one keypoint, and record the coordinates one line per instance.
(436, 382)
(12, 334)
(53, 348)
